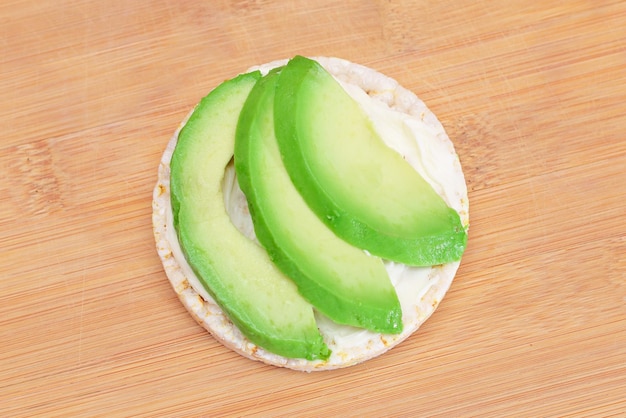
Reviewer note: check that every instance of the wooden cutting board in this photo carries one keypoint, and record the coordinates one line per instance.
(532, 93)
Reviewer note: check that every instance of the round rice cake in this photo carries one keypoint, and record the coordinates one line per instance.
(420, 289)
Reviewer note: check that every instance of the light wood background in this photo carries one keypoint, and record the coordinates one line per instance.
(533, 93)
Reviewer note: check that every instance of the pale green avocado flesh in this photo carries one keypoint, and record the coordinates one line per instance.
(340, 280)
(264, 304)
(363, 190)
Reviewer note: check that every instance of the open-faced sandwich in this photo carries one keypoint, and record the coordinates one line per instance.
(310, 213)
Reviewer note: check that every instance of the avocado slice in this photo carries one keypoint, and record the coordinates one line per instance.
(338, 279)
(263, 303)
(363, 190)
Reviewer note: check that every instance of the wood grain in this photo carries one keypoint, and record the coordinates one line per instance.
(532, 94)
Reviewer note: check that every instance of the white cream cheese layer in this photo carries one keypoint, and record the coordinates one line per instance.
(417, 142)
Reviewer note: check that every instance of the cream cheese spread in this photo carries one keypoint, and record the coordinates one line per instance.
(407, 135)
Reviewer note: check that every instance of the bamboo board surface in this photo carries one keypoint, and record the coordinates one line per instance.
(532, 93)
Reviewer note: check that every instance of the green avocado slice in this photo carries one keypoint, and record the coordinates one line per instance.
(363, 190)
(263, 303)
(340, 280)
